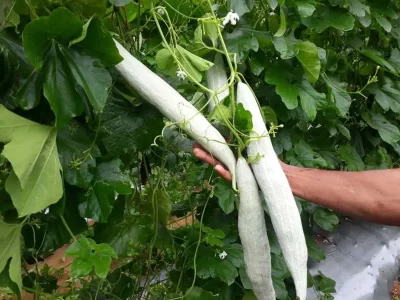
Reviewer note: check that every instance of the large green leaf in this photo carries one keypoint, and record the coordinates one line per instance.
(89, 255)
(285, 88)
(191, 63)
(120, 234)
(30, 93)
(158, 205)
(91, 76)
(110, 173)
(61, 26)
(329, 17)
(226, 196)
(308, 57)
(286, 46)
(379, 159)
(128, 128)
(325, 218)
(304, 155)
(10, 250)
(387, 95)
(240, 6)
(98, 42)
(77, 150)
(209, 265)
(35, 181)
(338, 94)
(59, 77)
(350, 155)
(97, 202)
(241, 42)
(388, 132)
(310, 99)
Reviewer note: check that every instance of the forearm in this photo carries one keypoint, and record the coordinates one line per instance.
(369, 195)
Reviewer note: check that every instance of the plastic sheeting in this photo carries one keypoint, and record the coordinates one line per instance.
(363, 259)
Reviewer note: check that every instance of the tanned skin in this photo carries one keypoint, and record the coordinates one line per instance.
(368, 195)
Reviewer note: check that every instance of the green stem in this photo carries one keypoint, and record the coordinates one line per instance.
(67, 227)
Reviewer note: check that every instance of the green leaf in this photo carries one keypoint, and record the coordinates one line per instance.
(308, 57)
(272, 4)
(249, 295)
(5, 281)
(119, 2)
(377, 57)
(239, 6)
(282, 27)
(110, 173)
(350, 155)
(388, 132)
(324, 284)
(30, 93)
(88, 256)
(93, 78)
(338, 94)
(241, 42)
(386, 25)
(226, 196)
(305, 9)
(98, 42)
(343, 130)
(61, 26)
(284, 88)
(286, 46)
(356, 8)
(269, 115)
(280, 288)
(192, 64)
(10, 251)
(209, 265)
(388, 95)
(310, 99)
(256, 66)
(243, 119)
(120, 234)
(278, 267)
(97, 202)
(127, 128)
(325, 218)
(35, 181)
(162, 205)
(329, 17)
(165, 61)
(197, 293)
(314, 251)
(245, 279)
(379, 159)
(235, 254)
(77, 149)
(305, 156)
(59, 76)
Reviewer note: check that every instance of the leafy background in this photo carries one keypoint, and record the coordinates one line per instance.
(76, 143)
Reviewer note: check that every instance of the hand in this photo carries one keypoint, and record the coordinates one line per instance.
(222, 171)
(203, 155)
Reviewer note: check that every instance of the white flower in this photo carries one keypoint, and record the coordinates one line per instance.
(181, 74)
(223, 255)
(231, 17)
(161, 11)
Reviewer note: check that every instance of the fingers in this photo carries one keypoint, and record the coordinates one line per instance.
(203, 155)
(224, 173)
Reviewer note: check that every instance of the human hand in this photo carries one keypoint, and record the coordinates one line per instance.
(203, 155)
(219, 167)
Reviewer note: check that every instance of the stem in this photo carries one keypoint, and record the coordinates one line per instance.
(67, 227)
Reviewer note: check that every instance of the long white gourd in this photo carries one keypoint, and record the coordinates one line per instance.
(171, 104)
(277, 193)
(253, 233)
(216, 80)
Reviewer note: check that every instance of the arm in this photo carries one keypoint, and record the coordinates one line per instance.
(370, 195)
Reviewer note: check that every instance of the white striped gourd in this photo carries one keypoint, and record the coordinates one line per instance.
(277, 193)
(253, 233)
